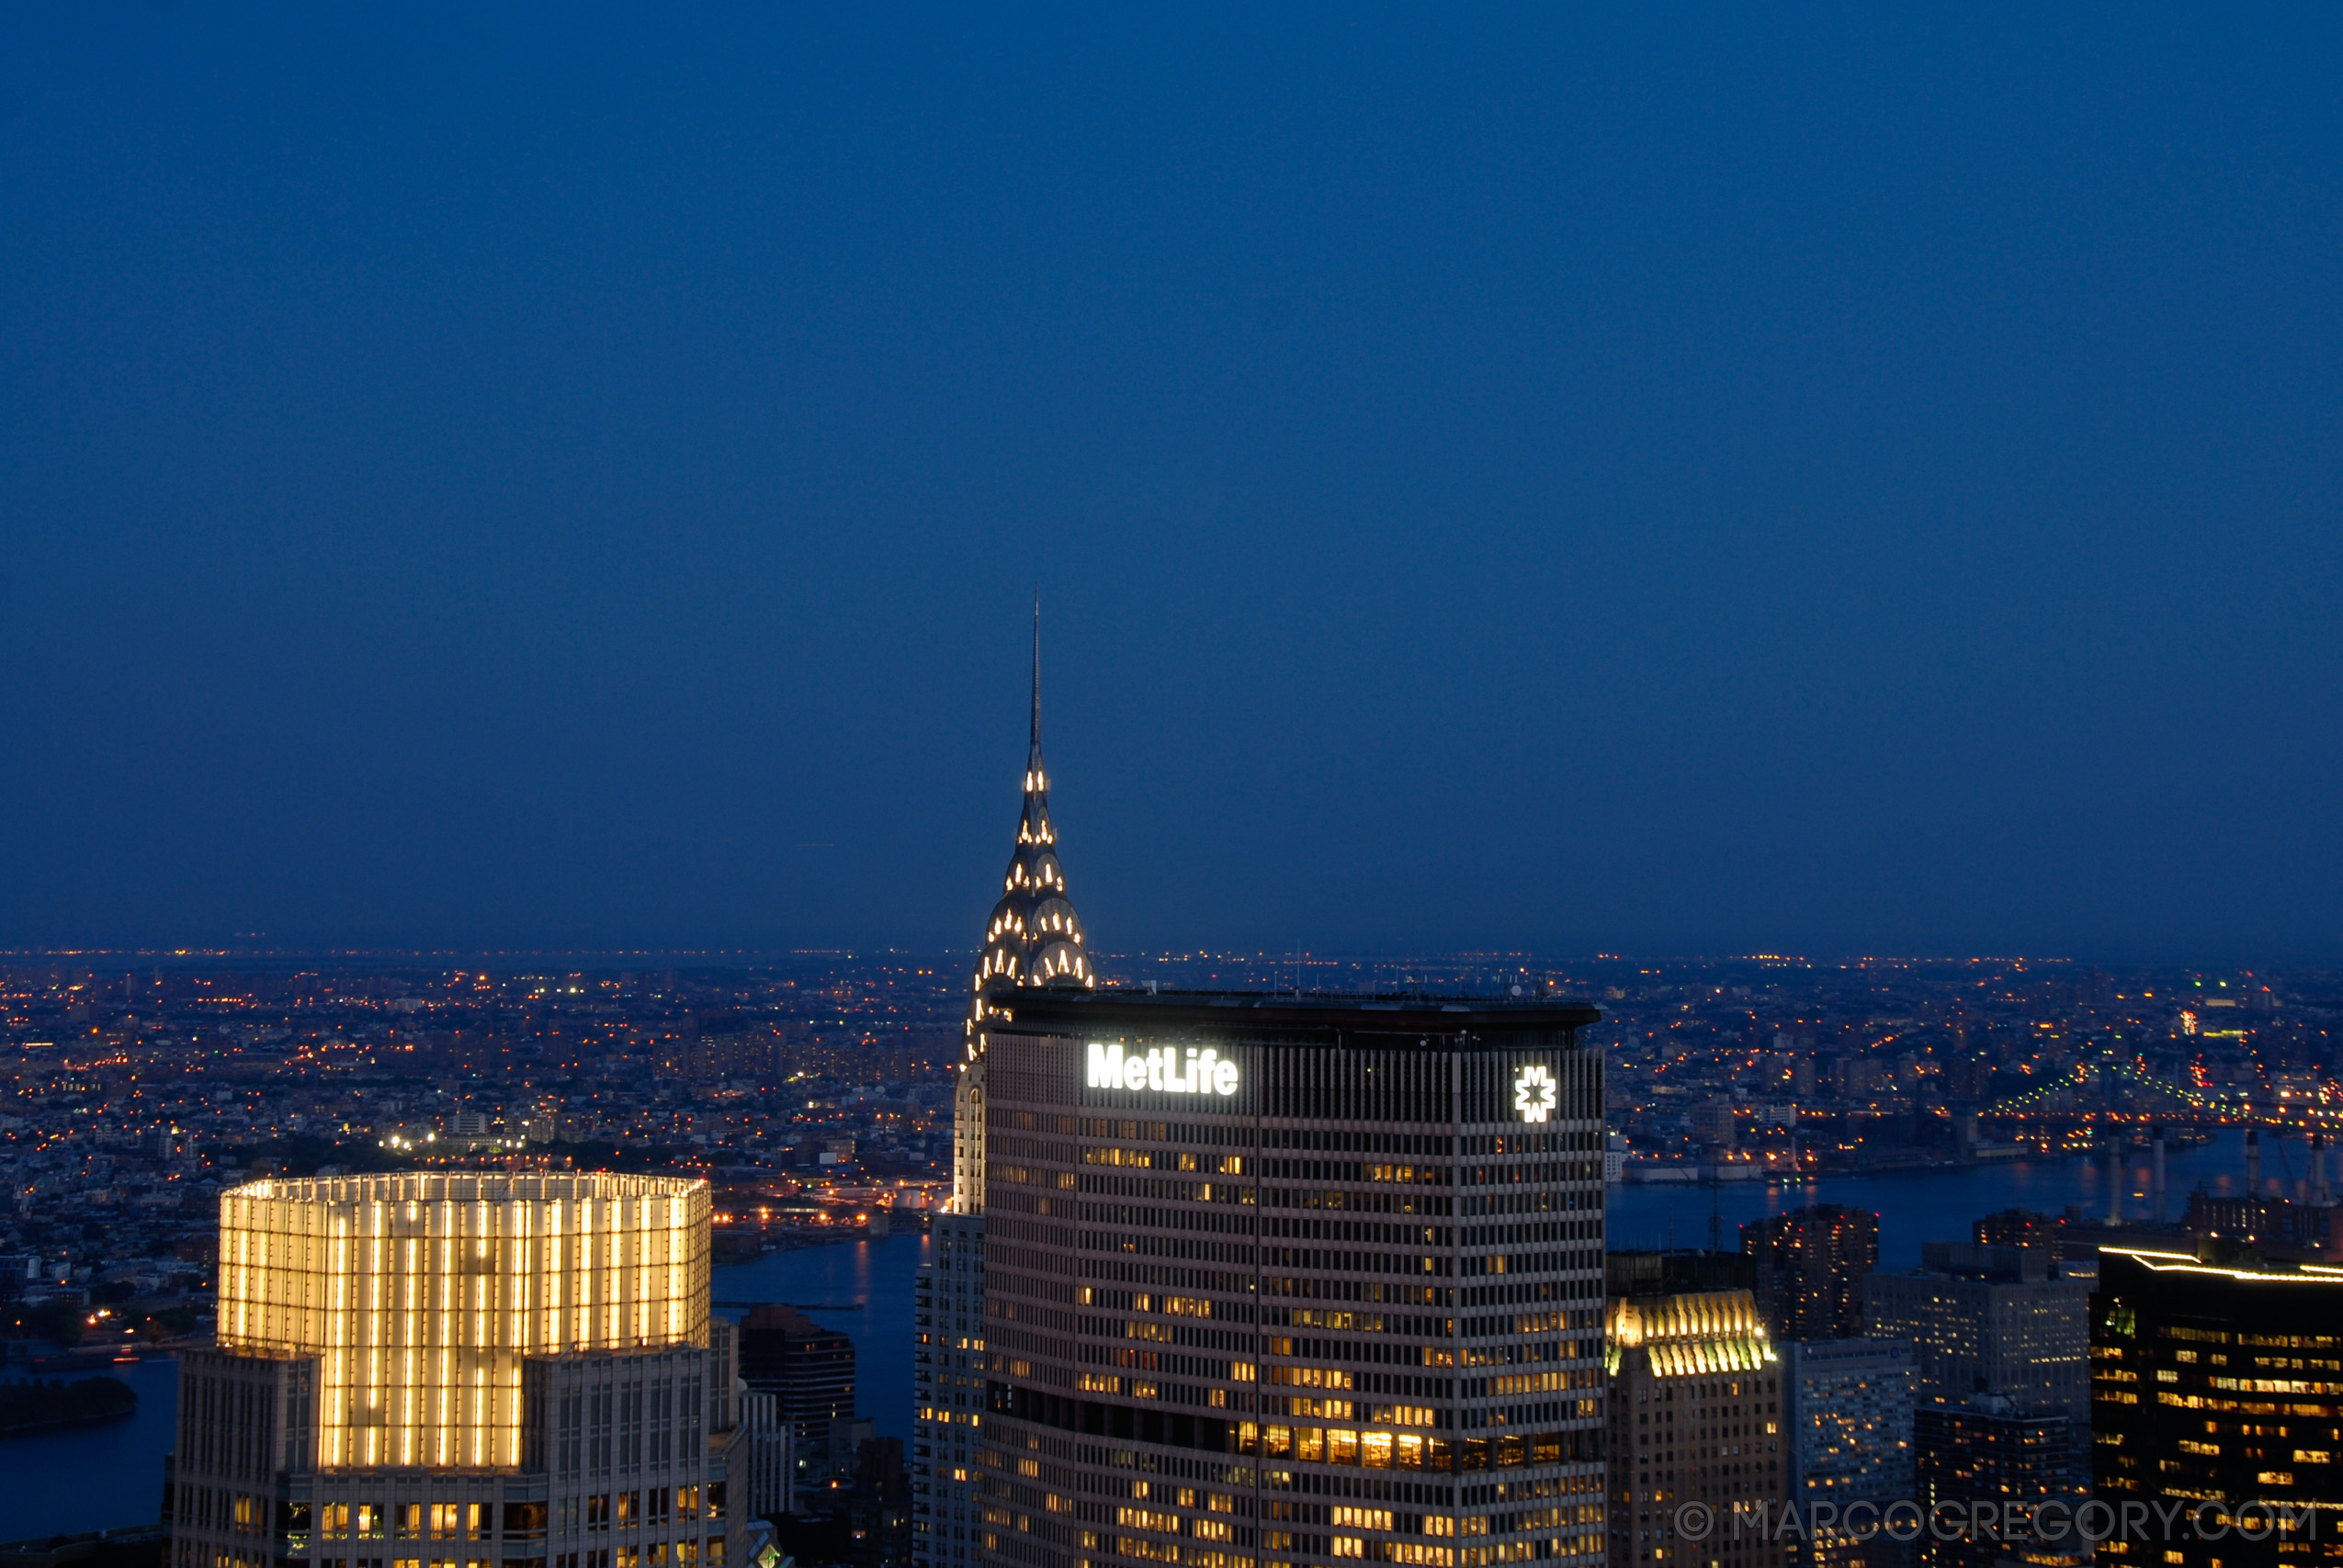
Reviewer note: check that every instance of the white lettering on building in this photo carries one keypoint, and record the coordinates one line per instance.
(1162, 1070)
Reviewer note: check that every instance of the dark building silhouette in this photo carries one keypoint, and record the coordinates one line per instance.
(878, 1510)
(2275, 1227)
(1660, 1273)
(1810, 1266)
(2016, 1227)
(809, 1368)
(2213, 1381)
(867, 1525)
(2071, 1237)
(1988, 1450)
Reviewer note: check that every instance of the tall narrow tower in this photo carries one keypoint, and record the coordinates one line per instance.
(1034, 939)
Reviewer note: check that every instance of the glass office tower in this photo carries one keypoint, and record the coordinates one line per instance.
(2217, 1397)
(1285, 1280)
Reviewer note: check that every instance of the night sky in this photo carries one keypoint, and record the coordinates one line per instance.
(1837, 483)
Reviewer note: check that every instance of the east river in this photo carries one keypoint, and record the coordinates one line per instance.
(111, 1476)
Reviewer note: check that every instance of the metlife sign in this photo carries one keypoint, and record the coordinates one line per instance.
(1162, 1070)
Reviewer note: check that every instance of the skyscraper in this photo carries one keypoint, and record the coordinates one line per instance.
(810, 1372)
(1997, 1320)
(947, 1376)
(2223, 1384)
(1653, 1273)
(1988, 1449)
(1848, 1404)
(1286, 1279)
(1697, 1417)
(1811, 1263)
(2016, 1227)
(476, 1369)
(1033, 941)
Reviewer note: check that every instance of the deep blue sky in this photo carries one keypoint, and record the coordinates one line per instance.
(1837, 483)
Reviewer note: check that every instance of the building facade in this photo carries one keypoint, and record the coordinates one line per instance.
(446, 1369)
(1998, 1320)
(1284, 1281)
(1811, 1264)
(1695, 1418)
(949, 1392)
(2219, 1383)
(808, 1370)
(764, 1469)
(2275, 1227)
(1849, 1404)
(1989, 1450)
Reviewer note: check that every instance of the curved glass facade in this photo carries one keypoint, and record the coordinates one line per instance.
(420, 1295)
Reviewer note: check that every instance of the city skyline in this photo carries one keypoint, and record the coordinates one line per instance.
(1682, 912)
(809, 1101)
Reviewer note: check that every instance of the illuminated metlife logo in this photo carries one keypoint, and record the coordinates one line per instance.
(1535, 1093)
(1163, 1071)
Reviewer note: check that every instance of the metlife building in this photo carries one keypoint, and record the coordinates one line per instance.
(1273, 1280)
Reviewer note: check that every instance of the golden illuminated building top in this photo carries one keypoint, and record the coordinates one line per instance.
(1690, 1334)
(1693, 1379)
(420, 1295)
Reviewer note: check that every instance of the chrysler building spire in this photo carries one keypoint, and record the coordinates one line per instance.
(1034, 939)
